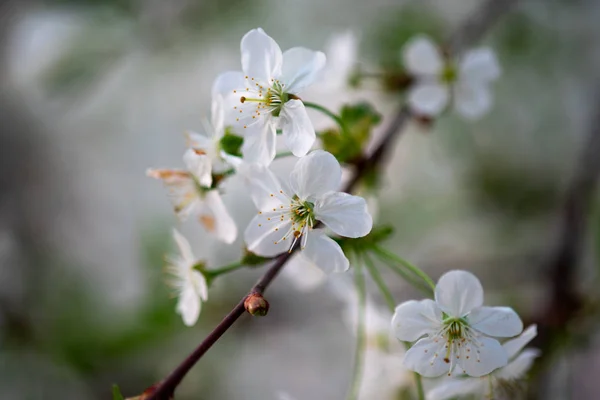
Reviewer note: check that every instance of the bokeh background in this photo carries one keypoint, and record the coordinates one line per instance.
(93, 92)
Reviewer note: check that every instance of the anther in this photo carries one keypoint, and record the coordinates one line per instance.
(242, 99)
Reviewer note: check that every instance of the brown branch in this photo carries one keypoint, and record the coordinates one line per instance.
(472, 30)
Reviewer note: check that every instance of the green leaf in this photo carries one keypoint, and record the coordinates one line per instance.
(359, 119)
(116, 392)
(231, 143)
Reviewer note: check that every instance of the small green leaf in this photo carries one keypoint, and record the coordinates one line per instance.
(116, 392)
(231, 143)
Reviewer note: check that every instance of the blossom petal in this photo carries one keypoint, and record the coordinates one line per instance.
(422, 57)
(303, 274)
(301, 67)
(483, 357)
(427, 358)
(496, 321)
(184, 248)
(316, 174)
(216, 219)
(261, 56)
(345, 214)
(458, 388)
(458, 292)
(414, 319)
(428, 98)
(199, 165)
(342, 53)
(217, 116)
(259, 143)
(298, 131)
(472, 101)
(480, 65)
(264, 235)
(265, 189)
(188, 305)
(324, 252)
(227, 82)
(198, 141)
(517, 368)
(515, 345)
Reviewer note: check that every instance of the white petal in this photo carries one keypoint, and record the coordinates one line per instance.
(414, 319)
(428, 98)
(324, 252)
(217, 115)
(303, 274)
(472, 101)
(427, 358)
(301, 67)
(227, 82)
(184, 248)
(482, 358)
(298, 131)
(262, 234)
(231, 86)
(199, 165)
(458, 388)
(421, 56)
(259, 143)
(198, 141)
(316, 174)
(199, 282)
(458, 292)
(342, 53)
(216, 219)
(496, 321)
(261, 57)
(517, 368)
(515, 345)
(182, 190)
(480, 65)
(264, 187)
(345, 214)
(189, 305)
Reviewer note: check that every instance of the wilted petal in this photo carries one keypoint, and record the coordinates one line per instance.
(458, 292)
(301, 67)
(496, 321)
(414, 319)
(200, 165)
(324, 252)
(517, 344)
(261, 56)
(316, 174)
(427, 358)
(216, 219)
(298, 131)
(482, 357)
(428, 98)
(345, 214)
(472, 100)
(264, 235)
(480, 66)
(259, 143)
(422, 57)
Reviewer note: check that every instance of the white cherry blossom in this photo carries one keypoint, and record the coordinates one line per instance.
(190, 284)
(289, 213)
(455, 330)
(520, 361)
(439, 81)
(264, 97)
(191, 194)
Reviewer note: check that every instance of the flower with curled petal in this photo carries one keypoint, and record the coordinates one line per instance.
(439, 80)
(264, 97)
(289, 214)
(455, 329)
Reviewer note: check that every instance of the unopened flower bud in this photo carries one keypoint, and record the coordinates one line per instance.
(256, 305)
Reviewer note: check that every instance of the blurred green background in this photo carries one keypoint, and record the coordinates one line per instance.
(94, 92)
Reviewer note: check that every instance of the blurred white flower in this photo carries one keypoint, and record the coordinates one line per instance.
(519, 363)
(189, 283)
(191, 194)
(264, 98)
(287, 214)
(455, 329)
(342, 55)
(439, 81)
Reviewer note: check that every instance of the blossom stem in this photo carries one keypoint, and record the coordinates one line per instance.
(330, 114)
(412, 268)
(361, 334)
(212, 273)
(385, 291)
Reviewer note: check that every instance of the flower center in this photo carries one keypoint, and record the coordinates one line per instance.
(449, 74)
(260, 100)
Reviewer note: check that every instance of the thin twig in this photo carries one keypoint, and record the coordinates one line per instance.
(473, 30)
